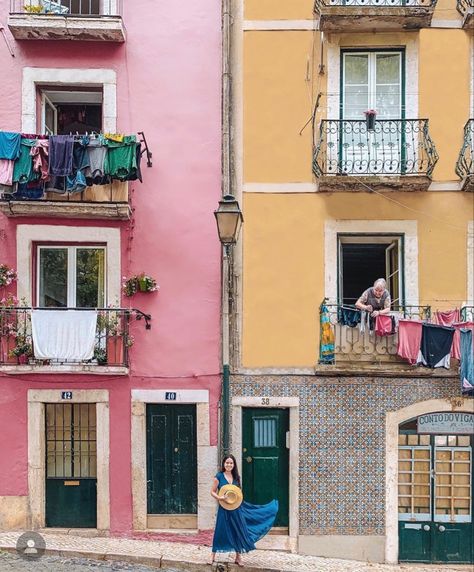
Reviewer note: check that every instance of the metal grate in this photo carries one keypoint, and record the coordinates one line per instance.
(265, 432)
(414, 477)
(67, 7)
(71, 440)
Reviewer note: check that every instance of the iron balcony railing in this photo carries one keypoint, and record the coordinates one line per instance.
(82, 8)
(113, 337)
(467, 314)
(353, 346)
(465, 6)
(375, 3)
(392, 147)
(465, 163)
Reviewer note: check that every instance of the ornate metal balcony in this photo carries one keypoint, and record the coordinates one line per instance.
(111, 352)
(397, 154)
(96, 20)
(368, 15)
(465, 163)
(466, 9)
(354, 349)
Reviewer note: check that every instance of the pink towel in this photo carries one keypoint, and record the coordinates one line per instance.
(383, 325)
(456, 347)
(447, 317)
(409, 340)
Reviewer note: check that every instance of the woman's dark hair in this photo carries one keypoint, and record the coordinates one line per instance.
(235, 470)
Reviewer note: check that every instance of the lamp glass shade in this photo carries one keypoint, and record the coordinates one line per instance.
(229, 220)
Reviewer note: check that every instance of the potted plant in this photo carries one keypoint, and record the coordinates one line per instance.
(139, 283)
(110, 326)
(8, 328)
(23, 349)
(7, 275)
(370, 116)
(30, 9)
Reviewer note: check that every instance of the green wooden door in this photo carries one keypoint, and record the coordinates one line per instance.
(435, 498)
(71, 465)
(171, 459)
(265, 459)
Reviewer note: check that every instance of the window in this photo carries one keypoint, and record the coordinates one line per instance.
(82, 7)
(72, 110)
(372, 80)
(364, 258)
(71, 276)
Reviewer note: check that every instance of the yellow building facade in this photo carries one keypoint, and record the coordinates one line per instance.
(330, 203)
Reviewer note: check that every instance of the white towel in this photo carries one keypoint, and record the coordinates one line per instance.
(64, 335)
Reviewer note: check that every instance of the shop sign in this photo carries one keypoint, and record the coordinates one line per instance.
(446, 423)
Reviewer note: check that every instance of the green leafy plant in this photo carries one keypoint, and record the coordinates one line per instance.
(139, 283)
(33, 9)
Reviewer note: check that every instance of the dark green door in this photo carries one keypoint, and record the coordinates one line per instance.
(265, 459)
(71, 465)
(435, 498)
(171, 459)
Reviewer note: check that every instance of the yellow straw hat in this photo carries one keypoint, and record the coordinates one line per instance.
(233, 497)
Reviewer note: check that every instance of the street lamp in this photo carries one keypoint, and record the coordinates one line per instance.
(229, 220)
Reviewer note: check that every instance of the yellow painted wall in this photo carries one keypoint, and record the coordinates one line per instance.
(278, 9)
(444, 86)
(277, 104)
(283, 273)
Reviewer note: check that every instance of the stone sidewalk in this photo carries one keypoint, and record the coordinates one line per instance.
(194, 558)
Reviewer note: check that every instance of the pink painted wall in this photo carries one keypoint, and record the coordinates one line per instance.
(168, 85)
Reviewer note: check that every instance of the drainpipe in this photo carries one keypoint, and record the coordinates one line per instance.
(226, 186)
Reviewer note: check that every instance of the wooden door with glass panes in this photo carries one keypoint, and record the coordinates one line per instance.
(435, 497)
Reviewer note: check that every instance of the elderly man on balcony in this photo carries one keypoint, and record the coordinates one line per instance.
(376, 300)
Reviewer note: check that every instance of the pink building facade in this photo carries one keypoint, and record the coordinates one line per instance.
(129, 435)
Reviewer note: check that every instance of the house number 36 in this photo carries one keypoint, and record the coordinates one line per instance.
(265, 401)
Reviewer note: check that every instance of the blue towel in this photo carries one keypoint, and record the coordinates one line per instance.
(348, 317)
(10, 145)
(466, 370)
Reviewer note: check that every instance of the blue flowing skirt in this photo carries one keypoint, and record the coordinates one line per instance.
(238, 530)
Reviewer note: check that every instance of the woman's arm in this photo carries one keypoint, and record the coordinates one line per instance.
(386, 309)
(361, 303)
(215, 486)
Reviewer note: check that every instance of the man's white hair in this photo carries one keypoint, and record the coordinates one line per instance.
(380, 282)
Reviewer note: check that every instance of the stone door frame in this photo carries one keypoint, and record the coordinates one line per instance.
(289, 542)
(37, 398)
(392, 423)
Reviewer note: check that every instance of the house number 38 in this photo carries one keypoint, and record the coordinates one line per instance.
(265, 401)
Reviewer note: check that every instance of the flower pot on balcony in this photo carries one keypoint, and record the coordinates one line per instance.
(143, 285)
(115, 350)
(7, 344)
(23, 359)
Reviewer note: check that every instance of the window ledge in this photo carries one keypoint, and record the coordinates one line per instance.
(89, 369)
(355, 183)
(369, 18)
(63, 209)
(54, 27)
(468, 19)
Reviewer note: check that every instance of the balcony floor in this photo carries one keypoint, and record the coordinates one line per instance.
(53, 27)
(89, 369)
(66, 209)
(357, 183)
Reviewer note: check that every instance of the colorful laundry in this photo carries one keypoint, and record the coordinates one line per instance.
(384, 325)
(447, 317)
(9, 145)
(6, 172)
(348, 316)
(23, 171)
(121, 159)
(466, 370)
(409, 340)
(326, 352)
(456, 348)
(61, 148)
(40, 154)
(435, 347)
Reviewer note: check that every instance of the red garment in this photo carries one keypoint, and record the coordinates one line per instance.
(409, 340)
(383, 325)
(40, 154)
(456, 347)
(447, 317)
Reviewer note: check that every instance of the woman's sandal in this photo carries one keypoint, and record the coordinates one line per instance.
(238, 563)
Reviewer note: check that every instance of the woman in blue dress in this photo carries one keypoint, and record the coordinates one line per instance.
(238, 530)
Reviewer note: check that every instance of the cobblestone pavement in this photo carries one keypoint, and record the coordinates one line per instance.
(138, 554)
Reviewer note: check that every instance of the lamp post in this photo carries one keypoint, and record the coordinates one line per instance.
(229, 220)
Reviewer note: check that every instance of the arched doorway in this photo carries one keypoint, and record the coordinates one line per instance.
(435, 488)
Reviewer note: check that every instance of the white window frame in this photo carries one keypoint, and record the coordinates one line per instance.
(409, 228)
(71, 269)
(103, 78)
(374, 239)
(28, 235)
